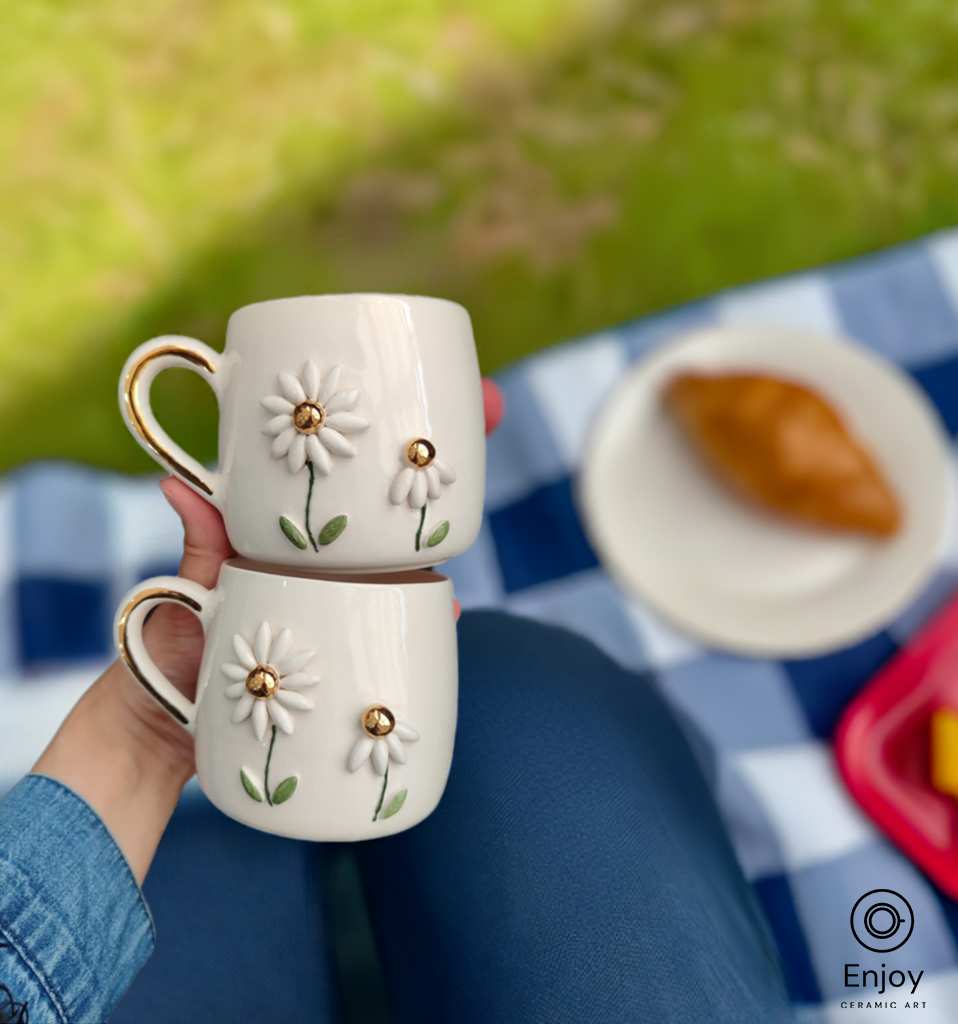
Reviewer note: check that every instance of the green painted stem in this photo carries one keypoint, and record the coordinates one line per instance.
(269, 756)
(422, 520)
(309, 498)
(382, 795)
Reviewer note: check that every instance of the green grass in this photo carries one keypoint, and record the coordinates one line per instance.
(553, 174)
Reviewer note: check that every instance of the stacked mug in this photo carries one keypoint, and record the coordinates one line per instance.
(351, 460)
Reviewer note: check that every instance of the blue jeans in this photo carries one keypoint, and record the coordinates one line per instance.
(576, 870)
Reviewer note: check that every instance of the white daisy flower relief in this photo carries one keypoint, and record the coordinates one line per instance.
(311, 418)
(267, 680)
(420, 481)
(381, 742)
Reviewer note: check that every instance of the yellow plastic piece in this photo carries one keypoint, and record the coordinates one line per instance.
(944, 751)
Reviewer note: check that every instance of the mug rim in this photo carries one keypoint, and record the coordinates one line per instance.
(387, 578)
(348, 295)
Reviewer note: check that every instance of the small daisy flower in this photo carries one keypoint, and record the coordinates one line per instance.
(423, 478)
(311, 418)
(382, 739)
(267, 680)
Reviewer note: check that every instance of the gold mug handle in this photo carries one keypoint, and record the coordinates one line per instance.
(150, 359)
(130, 619)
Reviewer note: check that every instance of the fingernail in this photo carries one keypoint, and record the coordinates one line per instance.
(170, 493)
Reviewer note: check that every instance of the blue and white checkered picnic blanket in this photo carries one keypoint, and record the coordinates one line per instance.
(73, 540)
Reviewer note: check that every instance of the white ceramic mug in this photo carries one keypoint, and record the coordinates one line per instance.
(325, 709)
(352, 435)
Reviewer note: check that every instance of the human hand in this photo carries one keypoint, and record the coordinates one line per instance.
(118, 748)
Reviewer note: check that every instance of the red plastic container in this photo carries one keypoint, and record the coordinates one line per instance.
(882, 746)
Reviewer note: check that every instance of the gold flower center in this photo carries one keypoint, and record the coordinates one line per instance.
(420, 452)
(308, 417)
(262, 683)
(378, 721)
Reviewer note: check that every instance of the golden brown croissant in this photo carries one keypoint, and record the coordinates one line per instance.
(786, 448)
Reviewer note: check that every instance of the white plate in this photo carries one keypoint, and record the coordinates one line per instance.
(734, 577)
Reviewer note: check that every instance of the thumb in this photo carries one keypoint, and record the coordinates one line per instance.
(205, 544)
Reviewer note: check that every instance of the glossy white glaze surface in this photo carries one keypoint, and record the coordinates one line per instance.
(391, 368)
(379, 642)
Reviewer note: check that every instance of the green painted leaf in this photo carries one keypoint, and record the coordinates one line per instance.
(332, 529)
(250, 786)
(285, 789)
(439, 534)
(395, 804)
(292, 532)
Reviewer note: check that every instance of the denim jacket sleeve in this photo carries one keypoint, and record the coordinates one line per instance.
(74, 927)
